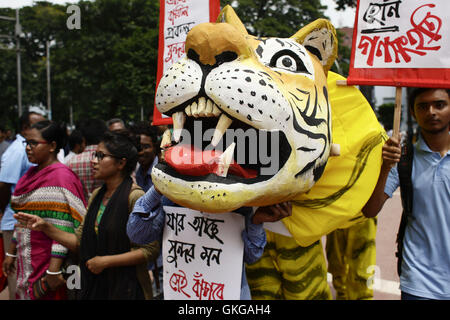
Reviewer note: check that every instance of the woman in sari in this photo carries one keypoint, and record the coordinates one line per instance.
(52, 192)
(111, 266)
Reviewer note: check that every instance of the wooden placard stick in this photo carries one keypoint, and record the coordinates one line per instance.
(397, 113)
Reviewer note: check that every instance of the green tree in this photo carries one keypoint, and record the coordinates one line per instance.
(32, 62)
(108, 67)
(343, 4)
(105, 69)
(276, 18)
(8, 85)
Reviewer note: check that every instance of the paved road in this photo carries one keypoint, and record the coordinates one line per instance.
(388, 221)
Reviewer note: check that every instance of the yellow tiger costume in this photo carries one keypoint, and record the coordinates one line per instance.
(231, 80)
(351, 255)
(289, 271)
(348, 263)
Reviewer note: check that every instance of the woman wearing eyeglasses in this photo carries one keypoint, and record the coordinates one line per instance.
(54, 194)
(111, 266)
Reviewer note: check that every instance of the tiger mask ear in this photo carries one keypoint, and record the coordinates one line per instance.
(319, 38)
(228, 15)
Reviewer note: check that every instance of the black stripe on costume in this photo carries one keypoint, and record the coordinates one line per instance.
(305, 282)
(325, 93)
(365, 246)
(358, 168)
(311, 135)
(310, 120)
(265, 294)
(260, 273)
(296, 252)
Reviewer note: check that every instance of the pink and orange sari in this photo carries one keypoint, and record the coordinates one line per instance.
(55, 194)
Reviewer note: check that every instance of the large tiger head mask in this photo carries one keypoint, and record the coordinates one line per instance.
(252, 123)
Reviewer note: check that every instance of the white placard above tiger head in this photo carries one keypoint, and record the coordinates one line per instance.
(252, 122)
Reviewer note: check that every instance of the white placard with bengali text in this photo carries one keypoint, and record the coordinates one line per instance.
(177, 18)
(402, 34)
(180, 17)
(202, 255)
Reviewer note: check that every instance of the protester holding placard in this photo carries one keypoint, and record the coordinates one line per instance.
(425, 264)
(148, 220)
(111, 266)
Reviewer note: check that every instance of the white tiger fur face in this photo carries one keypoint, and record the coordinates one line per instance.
(236, 87)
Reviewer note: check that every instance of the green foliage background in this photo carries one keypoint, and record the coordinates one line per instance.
(108, 67)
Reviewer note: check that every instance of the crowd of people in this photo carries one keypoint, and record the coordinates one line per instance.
(79, 190)
(87, 198)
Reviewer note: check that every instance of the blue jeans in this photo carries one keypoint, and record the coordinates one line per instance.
(407, 296)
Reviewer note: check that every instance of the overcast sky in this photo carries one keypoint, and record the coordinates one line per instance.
(21, 3)
(338, 18)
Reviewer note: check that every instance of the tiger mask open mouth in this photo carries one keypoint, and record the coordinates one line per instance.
(251, 116)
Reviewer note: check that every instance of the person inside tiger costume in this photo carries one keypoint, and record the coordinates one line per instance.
(324, 141)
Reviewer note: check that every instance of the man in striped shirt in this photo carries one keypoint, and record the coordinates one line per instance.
(93, 130)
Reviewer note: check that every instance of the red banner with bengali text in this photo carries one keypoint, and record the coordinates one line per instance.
(401, 43)
(176, 18)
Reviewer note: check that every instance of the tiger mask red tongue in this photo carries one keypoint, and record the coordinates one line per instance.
(191, 161)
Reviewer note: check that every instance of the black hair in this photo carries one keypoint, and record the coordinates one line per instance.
(115, 120)
(76, 137)
(93, 130)
(144, 128)
(24, 121)
(122, 144)
(52, 131)
(417, 91)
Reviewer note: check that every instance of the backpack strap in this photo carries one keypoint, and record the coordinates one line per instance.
(404, 169)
